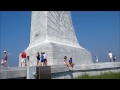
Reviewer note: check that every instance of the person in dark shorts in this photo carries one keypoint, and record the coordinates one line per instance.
(38, 58)
(114, 58)
(42, 59)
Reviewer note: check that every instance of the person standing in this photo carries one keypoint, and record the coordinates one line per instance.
(110, 56)
(23, 58)
(5, 59)
(42, 59)
(114, 58)
(38, 58)
(45, 58)
(96, 59)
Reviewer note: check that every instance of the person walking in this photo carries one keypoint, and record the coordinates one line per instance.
(96, 59)
(5, 59)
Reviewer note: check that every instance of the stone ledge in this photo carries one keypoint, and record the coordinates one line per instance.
(61, 71)
(12, 74)
(86, 67)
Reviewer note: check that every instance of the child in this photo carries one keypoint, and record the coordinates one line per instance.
(71, 63)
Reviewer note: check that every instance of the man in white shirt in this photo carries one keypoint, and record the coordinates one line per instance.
(110, 56)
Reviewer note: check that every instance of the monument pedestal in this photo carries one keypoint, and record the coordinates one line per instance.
(56, 52)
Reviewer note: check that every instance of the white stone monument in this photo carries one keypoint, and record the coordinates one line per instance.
(53, 32)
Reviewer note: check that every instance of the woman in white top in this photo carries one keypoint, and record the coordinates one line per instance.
(45, 58)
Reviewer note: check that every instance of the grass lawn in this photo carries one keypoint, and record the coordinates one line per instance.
(109, 75)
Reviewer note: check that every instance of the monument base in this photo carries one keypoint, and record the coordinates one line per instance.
(56, 52)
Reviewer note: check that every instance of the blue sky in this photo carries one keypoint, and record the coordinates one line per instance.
(97, 31)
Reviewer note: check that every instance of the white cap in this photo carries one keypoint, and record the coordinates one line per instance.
(4, 51)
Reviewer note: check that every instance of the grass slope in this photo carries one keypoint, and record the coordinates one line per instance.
(109, 75)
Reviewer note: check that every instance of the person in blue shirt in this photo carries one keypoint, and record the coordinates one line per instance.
(71, 63)
(42, 59)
